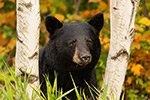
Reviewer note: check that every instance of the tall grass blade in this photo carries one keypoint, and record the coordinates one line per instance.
(63, 95)
(76, 90)
(93, 88)
(104, 95)
(8, 92)
(122, 98)
(84, 96)
(36, 91)
(55, 85)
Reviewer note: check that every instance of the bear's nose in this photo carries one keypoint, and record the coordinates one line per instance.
(86, 58)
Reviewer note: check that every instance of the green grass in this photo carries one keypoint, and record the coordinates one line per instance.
(8, 91)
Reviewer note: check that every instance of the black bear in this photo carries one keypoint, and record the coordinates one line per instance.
(73, 48)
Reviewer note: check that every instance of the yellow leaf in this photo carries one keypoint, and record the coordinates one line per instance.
(148, 88)
(140, 9)
(106, 30)
(4, 36)
(147, 72)
(90, 1)
(13, 1)
(1, 4)
(135, 45)
(103, 5)
(60, 17)
(138, 28)
(13, 61)
(107, 16)
(11, 44)
(137, 69)
(129, 80)
(3, 50)
(3, 41)
(146, 36)
(148, 40)
(145, 21)
(8, 18)
(129, 66)
(106, 46)
(105, 39)
(138, 38)
(43, 8)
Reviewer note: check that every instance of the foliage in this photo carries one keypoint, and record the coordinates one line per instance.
(137, 83)
(8, 91)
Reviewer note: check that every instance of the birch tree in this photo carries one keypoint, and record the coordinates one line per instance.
(27, 46)
(122, 16)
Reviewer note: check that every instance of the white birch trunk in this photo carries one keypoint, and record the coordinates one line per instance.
(27, 47)
(122, 16)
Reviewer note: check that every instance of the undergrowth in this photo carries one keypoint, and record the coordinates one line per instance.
(15, 88)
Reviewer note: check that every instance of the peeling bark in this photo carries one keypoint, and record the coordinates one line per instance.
(122, 13)
(27, 46)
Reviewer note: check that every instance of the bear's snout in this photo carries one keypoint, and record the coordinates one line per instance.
(82, 57)
(86, 58)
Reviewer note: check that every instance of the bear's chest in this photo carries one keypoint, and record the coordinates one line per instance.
(66, 79)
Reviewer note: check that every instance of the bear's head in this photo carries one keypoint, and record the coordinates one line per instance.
(76, 43)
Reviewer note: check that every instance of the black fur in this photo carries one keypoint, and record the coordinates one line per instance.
(57, 55)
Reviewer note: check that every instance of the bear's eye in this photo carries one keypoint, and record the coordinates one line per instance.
(89, 42)
(72, 43)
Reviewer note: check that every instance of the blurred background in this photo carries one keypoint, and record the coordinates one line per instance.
(137, 81)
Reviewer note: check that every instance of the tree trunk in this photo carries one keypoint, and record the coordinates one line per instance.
(145, 11)
(27, 47)
(77, 6)
(122, 13)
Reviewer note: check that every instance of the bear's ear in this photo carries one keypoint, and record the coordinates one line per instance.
(52, 24)
(97, 21)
